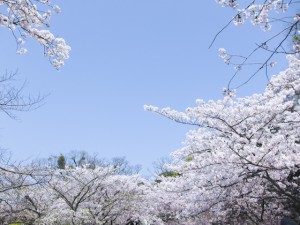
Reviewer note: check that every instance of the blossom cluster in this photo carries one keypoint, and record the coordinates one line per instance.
(257, 13)
(24, 18)
(264, 14)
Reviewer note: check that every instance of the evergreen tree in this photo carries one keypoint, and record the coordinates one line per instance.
(61, 162)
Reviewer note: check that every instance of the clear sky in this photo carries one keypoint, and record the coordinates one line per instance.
(124, 54)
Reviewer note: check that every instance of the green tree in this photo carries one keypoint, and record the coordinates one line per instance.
(61, 162)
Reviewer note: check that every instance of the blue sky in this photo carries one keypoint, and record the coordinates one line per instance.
(124, 54)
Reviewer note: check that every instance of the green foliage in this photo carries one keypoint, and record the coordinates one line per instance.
(170, 174)
(61, 162)
(295, 38)
(188, 158)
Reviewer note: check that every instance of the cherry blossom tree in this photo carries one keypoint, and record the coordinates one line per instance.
(241, 163)
(244, 154)
(25, 18)
(98, 196)
(80, 196)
